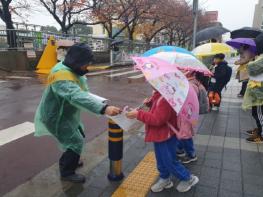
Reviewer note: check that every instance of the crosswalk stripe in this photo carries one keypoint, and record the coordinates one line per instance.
(13, 133)
(136, 76)
(107, 72)
(123, 73)
(18, 77)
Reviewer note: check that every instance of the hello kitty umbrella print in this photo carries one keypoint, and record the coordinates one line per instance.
(172, 85)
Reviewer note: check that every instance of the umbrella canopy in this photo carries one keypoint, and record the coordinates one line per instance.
(238, 42)
(259, 43)
(171, 84)
(210, 32)
(183, 61)
(212, 49)
(166, 49)
(245, 32)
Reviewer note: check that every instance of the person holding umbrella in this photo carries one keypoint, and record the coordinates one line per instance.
(222, 74)
(165, 142)
(58, 113)
(242, 75)
(247, 50)
(253, 98)
(168, 99)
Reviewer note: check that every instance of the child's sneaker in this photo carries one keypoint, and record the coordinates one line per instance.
(187, 159)
(185, 186)
(214, 108)
(180, 154)
(162, 184)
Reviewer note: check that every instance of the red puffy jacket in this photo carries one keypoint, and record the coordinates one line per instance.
(157, 129)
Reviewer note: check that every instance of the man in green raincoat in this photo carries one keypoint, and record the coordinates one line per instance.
(58, 113)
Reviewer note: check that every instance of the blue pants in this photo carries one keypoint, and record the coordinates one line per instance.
(167, 165)
(188, 146)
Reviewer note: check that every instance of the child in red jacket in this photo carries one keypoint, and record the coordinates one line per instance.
(157, 131)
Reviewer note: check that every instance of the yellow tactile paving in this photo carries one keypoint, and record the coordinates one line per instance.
(138, 183)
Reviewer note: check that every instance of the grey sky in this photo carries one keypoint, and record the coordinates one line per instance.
(232, 13)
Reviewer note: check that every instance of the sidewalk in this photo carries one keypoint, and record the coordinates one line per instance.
(227, 165)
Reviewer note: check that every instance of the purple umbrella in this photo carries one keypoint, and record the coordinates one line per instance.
(238, 42)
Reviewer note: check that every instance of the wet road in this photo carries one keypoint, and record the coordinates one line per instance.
(25, 157)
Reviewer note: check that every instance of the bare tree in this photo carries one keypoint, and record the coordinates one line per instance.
(160, 17)
(108, 13)
(68, 13)
(117, 16)
(8, 8)
(136, 10)
(173, 18)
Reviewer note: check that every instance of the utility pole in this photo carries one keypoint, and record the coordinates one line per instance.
(195, 16)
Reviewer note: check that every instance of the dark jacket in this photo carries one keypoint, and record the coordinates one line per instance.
(220, 76)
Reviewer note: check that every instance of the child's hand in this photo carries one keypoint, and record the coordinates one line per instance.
(132, 114)
(112, 111)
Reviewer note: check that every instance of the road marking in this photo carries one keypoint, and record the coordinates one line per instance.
(123, 73)
(18, 77)
(140, 179)
(13, 133)
(106, 72)
(136, 76)
(1, 81)
(48, 183)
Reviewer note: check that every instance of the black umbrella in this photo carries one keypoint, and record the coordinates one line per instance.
(259, 43)
(245, 32)
(210, 32)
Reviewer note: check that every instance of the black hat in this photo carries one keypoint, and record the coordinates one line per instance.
(259, 43)
(78, 55)
(220, 56)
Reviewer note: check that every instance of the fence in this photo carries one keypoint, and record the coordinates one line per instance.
(39, 39)
(19, 40)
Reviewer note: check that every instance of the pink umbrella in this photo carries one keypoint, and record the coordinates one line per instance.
(172, 85)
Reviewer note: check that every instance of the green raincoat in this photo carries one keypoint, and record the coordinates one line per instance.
(254, 92)
(58, 113)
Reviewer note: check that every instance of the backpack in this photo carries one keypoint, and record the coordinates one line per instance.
(228, 74)
(202, 97)
(186, 134)
(203, 100)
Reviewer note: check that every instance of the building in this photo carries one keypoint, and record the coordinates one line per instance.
(99, 31)
(212, 16)
(258, 15)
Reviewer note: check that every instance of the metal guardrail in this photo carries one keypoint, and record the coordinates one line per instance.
(38, 41)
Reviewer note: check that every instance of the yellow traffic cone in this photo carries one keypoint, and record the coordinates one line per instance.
(48, 58)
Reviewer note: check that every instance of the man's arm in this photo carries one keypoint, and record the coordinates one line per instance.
(77, 97)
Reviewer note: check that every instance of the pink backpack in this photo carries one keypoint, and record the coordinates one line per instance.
(186, 129)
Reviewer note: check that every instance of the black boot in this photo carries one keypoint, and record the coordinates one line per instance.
(67, 165)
